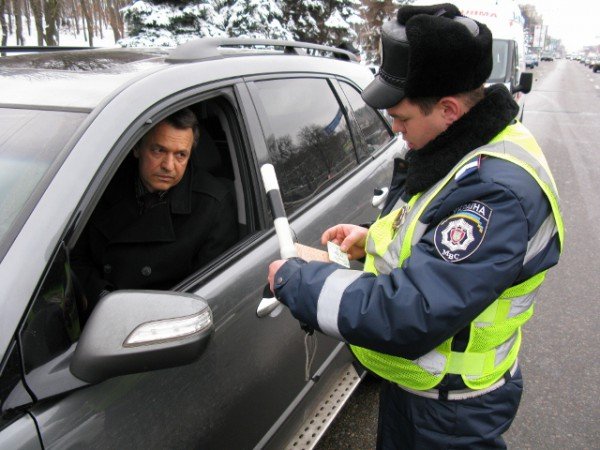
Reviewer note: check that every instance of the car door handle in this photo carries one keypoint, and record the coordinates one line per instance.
(379, 197)
(268, 306)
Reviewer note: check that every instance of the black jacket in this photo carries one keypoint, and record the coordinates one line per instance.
(121, 249)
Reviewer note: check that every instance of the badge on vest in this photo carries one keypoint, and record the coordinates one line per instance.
(460, 235)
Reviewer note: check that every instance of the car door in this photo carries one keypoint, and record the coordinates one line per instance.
(245, 379)
(242, 390)
(327, 172)
(17, 428)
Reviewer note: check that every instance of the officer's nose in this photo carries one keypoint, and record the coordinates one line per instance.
(398, 127)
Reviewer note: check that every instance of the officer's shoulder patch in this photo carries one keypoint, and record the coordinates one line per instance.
(459, 235)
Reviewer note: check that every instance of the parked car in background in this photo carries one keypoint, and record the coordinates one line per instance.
(596, 64)
(213, 370)
(547, 56)
(531, 60)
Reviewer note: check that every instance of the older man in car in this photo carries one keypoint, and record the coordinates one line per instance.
(160, 219)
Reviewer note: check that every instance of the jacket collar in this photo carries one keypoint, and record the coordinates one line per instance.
(121, 222)
(485, 120)
(180, 195)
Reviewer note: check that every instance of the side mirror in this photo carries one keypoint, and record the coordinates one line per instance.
(137, 331)
(525, 83)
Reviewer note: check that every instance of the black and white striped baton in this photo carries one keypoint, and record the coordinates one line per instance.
(283, 231)
(287, 250)
(282, 226)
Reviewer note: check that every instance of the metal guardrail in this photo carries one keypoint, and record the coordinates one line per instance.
(209, 48)
(39, 49)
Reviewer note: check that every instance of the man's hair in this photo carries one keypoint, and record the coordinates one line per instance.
(471, 98)
(183, 120)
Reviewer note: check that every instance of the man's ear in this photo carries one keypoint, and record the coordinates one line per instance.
(451, 109)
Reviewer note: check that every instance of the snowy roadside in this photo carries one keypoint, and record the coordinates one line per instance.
(68, 38)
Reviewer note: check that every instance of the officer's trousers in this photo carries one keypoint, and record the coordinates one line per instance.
(408, 421)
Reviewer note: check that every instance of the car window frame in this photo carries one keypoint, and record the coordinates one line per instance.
(117, 154)
(354, 122)
(18, 409)
(255, 97)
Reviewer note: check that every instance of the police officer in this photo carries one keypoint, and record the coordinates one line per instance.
(453, 263)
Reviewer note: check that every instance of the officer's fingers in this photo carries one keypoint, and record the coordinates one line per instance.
(334, 234)
(356, 253)
(356, 237)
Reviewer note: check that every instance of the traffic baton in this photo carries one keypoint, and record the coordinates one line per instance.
(270, 305)
(287, 249)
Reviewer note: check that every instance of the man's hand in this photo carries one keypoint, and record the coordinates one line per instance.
(273, 268)
(350, 238)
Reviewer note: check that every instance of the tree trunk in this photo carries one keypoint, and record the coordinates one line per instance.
(52, 12)
(114, 21)
(18, 12)
(8, 10)
(3, 24)
(99, 13)
(75, 15)
(118, 5)
(39, 21)
(88, 20)
(27, 12)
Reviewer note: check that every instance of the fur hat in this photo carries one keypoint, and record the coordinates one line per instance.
(430, 51)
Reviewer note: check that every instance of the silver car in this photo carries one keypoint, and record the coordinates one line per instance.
(195, 366)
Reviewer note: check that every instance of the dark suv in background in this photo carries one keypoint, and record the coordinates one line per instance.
(240, 378)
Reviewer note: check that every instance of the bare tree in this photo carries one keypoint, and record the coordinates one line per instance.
(3, 24)
(38, 17)
(27, 12)
(18, 12)
(75, 14)
(113, 18)
(51, 13)
(8, 12)
(85, 10)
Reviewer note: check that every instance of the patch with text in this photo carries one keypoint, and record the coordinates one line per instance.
(458, 236)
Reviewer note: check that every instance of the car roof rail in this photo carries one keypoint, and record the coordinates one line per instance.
(211, 48)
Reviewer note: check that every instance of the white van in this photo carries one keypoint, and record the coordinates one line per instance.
(504, 19)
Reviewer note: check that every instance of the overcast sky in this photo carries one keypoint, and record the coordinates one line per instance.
(576, 22)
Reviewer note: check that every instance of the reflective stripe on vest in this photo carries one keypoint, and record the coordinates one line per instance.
(495, 335)
(330, 298)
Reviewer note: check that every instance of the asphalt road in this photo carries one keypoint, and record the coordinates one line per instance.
(559, 358)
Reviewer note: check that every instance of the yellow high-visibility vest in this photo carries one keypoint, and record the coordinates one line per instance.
(495, 335)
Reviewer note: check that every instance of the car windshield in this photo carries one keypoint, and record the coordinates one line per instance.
(500, 55)
(31, 143)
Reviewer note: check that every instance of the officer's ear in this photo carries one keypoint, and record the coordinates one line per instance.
(451, 109)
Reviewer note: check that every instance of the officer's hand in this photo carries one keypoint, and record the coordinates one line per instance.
(273, 268)
(350, 238)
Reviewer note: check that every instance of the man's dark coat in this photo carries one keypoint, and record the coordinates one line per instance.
(121, 249)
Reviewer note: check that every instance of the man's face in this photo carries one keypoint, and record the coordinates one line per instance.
(417, 128)
(163, 155)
